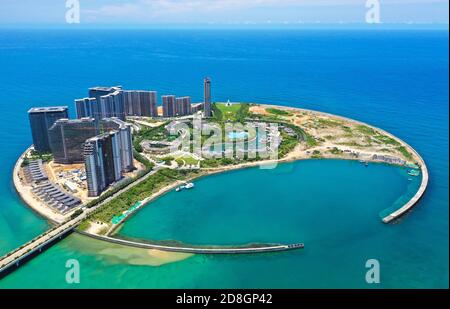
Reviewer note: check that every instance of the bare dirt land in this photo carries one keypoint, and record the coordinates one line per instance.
(334, 136)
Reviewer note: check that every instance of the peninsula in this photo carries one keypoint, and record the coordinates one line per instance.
(159, 151)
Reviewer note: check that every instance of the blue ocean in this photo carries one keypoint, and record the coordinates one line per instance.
(393, 79)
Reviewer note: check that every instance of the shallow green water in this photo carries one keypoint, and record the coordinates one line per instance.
(331, 205)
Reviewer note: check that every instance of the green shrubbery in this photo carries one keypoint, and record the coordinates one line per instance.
(155, 134)
(287, 145)
(76, 213)
(167, 160)
(148, 165)
(316, 154)
(336, 151)
(278, 112)
(34, 155)
(404, 152)
(242, 112)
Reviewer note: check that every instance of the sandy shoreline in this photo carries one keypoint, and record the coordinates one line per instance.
(28, 197)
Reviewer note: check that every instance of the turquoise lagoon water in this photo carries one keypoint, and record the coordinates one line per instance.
(396, 80)
(308, 201)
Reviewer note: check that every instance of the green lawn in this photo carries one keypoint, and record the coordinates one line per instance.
(228, 112)
(278, 112)
(186, 160)
(405, 152)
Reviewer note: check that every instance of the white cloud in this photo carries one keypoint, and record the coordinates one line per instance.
(158, 8)
(180, 10)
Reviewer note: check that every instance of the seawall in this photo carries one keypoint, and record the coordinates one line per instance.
(196, 250)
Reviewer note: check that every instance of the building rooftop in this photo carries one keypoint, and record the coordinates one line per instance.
(85, 99)
(119, 122)
(73, 121)
(100, 137)
(101, 88)
(48, 109)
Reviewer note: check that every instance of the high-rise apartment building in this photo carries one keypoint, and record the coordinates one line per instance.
(86, 108)
(169, 106)
(125, 140)
(144, 101)
(67, 137)
(152, 103)
(127, 102)
(113, 107)
(183, 106)
(102, 162)
(140, 103)
(41, 119)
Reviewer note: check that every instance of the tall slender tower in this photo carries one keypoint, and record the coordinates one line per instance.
(207, 93)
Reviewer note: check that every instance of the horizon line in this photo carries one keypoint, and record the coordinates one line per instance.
(237, 25)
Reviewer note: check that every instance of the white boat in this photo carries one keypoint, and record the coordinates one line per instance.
(187, 186)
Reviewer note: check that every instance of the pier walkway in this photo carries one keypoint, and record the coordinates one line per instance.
(198, 250)
(415, 199)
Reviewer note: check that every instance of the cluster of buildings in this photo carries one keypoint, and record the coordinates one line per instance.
(103, 102)
(99, 137)
(388, 159)
(55, 197)
(46, 191)
(104, 146)
(106, 102)
(34, 172)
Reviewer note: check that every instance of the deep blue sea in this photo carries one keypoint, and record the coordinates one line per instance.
(395, 80)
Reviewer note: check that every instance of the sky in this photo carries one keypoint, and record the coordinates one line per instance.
(243, 12)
